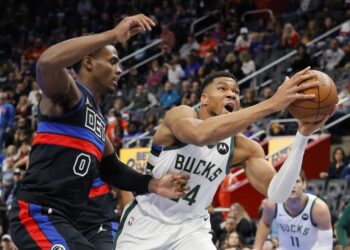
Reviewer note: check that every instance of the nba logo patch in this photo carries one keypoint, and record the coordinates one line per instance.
(305, 217)
(131, 220)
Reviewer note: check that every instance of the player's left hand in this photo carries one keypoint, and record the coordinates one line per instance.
(170, 185)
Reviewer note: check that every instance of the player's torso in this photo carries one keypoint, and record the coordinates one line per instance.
(296, 232)
(207, 167)
(65, 154)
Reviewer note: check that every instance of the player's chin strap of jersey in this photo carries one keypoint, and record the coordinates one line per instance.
(121, 176)
(283, 182)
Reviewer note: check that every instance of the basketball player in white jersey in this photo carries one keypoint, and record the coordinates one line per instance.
(303, 221)
(205, 143)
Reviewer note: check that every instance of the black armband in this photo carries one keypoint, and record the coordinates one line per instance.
(121, 176)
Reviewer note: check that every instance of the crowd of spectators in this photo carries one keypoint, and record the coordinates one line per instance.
(27, 28)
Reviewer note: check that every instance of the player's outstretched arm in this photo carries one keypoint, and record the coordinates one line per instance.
(52, 76)
(121, 176)
(186, 128)
(264, 226)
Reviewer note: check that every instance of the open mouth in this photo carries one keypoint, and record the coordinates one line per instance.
(229, 107)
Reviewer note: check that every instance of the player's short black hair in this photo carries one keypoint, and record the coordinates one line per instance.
(209, 78)
(78, 64)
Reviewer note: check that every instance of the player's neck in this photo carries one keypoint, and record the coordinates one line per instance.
(294, 205)
(96, 92)
(205, 113)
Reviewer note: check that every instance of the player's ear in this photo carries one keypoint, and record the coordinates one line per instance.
(87, 63)
(204, 99)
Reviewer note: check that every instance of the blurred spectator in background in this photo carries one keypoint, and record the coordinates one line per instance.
(336, 166)
(142, 101)
(345, 61)
(290, 38)
(175, 72)
(7, 243)
(150, 124)
(167, 36)
(344, 94)
(244, 225)
(243, 41)
(230, 59)
(248, 65)
(7, 118)
(302, 59)
(228, 226)
(208, 44)
(233, 241)
(191, 67)
(170, 96)
(186, 48)
(332, 56)
(312, 32)
(155, 77)
(344, 32)
(249, 98)
(218, 34)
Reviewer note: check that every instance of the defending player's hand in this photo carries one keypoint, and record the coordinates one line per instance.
(131, 26)
(170, 185)
(288, 91)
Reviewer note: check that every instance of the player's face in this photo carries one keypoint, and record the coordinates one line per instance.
(107, 68)
(221, 96)
(298, 189)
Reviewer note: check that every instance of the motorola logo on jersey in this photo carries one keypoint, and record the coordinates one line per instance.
(222, 148)
(305, 217)
(57, 247)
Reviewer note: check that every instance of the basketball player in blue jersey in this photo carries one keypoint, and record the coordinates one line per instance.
(303, 221)
(70, 147)
(205, 143)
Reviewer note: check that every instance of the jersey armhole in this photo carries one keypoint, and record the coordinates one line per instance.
(229, 165)
(311, 218)
(275, 215)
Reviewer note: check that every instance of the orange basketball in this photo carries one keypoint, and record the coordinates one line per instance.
(314, 110)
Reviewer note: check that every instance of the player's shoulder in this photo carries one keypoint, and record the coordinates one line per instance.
(182, 111)
(319, 207)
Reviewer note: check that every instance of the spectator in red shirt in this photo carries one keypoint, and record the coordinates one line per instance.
(168, 37)
(290, 37)
(207, 45)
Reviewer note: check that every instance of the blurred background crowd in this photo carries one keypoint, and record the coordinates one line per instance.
(182, 55)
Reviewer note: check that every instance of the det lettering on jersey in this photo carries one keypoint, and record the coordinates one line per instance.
(198, 167)
(297, 229)
(95, 123)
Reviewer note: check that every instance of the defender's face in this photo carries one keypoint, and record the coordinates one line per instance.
(107, 68)
(221, 96)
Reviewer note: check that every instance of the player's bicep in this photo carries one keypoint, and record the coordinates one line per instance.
(321, 215)
(55, 82)
(109, 149)
(258, 170)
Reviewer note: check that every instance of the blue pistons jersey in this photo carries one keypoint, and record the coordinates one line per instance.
(65, 156)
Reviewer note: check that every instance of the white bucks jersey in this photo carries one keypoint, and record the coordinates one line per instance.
(207, 167)
(299, 231)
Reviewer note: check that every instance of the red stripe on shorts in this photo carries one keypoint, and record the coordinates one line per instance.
(32, 227)
(97, 191)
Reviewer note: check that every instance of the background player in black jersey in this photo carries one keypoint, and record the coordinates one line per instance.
(71, 147)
